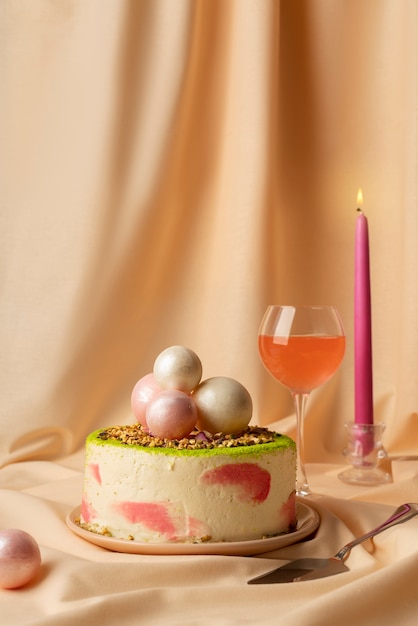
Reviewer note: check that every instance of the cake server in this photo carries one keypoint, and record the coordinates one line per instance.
(311, 568)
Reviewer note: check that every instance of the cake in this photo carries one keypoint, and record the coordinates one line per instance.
(191, 469)
(220, 488)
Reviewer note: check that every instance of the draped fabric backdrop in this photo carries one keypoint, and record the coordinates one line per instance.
(168, 169)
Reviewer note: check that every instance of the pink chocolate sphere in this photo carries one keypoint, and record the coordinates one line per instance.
(171, 415)
(20, 558)
(145, 390)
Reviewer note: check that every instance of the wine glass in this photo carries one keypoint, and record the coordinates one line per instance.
(302, 347)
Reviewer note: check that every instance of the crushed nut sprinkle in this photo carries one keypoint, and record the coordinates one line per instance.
(94, 528)
(197, 440)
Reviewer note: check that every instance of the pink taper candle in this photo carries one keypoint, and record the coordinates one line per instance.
(363, 377)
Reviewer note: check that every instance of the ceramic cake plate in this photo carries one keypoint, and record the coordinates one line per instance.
(308, 522)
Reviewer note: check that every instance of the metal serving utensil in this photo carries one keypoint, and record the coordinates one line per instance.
(311, 568)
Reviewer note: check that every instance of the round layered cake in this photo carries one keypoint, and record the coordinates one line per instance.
(203, 487)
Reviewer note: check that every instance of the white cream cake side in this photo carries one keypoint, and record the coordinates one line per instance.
(163, 494)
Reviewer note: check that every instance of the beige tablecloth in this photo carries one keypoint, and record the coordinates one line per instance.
(85, 584)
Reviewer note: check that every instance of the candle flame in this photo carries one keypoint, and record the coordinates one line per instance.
(359, 198)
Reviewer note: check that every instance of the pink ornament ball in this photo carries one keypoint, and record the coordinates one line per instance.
(145, 390)
(20, 558)
(171, 415)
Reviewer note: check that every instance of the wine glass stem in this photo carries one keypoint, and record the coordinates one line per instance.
(302, 486)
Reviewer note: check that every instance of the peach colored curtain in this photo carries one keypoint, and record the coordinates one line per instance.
(169, 168)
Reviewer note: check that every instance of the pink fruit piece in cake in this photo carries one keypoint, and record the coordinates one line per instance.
(252, 481)
(197, 528)
(87, 511)
(288, 509)
(156, 516)
(95, 472)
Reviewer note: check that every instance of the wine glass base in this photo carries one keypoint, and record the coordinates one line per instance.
(361, 476)
(302, 491)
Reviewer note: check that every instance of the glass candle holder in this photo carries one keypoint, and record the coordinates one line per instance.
(365, 452)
